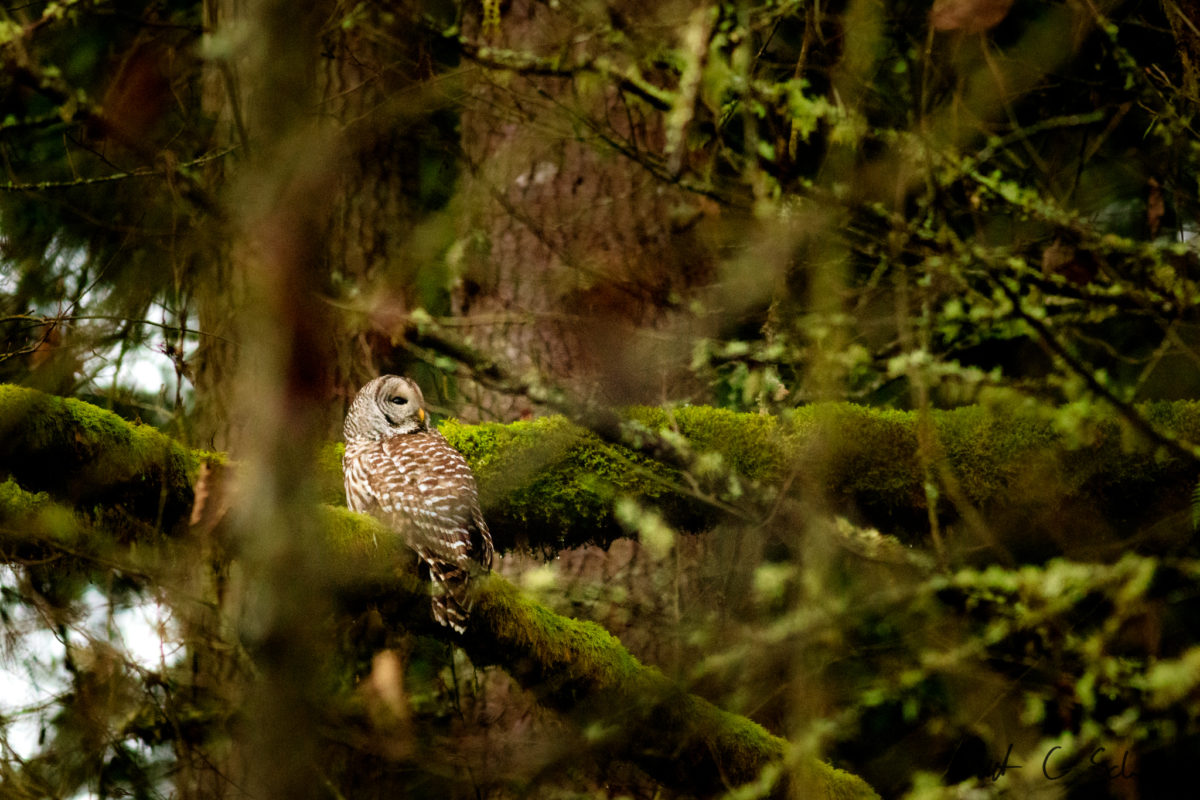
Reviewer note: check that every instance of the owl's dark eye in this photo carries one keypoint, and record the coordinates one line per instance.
(398, 400)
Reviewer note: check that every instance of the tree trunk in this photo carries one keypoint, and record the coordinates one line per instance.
(579, 258)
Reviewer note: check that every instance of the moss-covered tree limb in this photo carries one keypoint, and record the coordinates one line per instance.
(31, 524)
(1031, 471)
(572, 666)
(81, 453)
(551, 484)
(681, 739)
(575, 666)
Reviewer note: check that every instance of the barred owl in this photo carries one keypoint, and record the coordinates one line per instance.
(401, 470)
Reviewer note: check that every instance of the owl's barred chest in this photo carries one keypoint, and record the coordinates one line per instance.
(424, 461)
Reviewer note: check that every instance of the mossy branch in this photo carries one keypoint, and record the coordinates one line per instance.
(570, 665)
(91, 457)
(551, 484)
(680, 739)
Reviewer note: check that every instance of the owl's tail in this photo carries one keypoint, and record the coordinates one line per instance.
(451, 598)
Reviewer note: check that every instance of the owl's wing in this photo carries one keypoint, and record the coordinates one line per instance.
(422, 488)
(356, 476)
(425, 484)
(481, 539)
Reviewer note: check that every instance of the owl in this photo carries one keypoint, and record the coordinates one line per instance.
(401, 470)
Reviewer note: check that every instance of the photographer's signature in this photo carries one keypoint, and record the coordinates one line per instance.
(1057, 764)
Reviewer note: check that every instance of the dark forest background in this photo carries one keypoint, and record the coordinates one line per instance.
(837, 358)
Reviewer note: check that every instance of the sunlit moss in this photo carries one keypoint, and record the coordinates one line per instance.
(330, 486)
(16, 503)
(33, 518)
(751, 444)
(351, 533)
(552, 480)
(1170, 682)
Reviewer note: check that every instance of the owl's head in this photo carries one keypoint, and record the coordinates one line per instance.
(387, 406)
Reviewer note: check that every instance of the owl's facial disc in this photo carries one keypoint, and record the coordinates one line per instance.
(400, 403)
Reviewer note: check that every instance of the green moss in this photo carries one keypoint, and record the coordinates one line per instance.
(750, 444)
(868, 457)
(16, 503)
(677, 736)
(584, 655)
(550, 483)
(32, 519)
(351, 533)
(86, 454)
(330, 484)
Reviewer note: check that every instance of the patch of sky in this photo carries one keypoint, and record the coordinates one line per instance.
(33, 655)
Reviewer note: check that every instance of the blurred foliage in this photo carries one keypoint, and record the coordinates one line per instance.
(975, 219)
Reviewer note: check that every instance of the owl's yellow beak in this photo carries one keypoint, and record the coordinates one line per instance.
(421, 414)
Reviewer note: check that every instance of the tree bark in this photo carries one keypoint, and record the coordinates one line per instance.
(577, 258)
